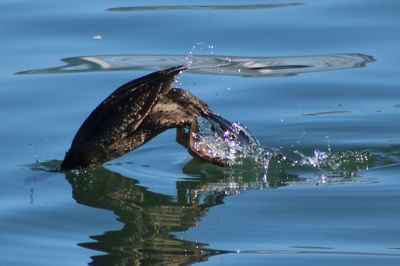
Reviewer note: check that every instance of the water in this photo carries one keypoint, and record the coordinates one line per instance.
(317, 81)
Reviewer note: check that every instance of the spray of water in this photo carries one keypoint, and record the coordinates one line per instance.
(35, 156)
(234, 143)
(231, 142)
(190, 58)
(335, 161)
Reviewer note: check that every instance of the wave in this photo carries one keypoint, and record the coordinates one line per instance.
(210, 64)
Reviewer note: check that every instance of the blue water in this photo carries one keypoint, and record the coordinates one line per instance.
(305, 77)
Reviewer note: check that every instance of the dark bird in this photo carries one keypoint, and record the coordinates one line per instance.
(140, 110)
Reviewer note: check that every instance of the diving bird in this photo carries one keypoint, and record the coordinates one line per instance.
(140, 110)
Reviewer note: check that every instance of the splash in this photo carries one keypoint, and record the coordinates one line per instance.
(335, 161)
(232, 142)
(198, 46)
(35, 156)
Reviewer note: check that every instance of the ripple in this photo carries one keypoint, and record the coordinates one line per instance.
(161, 166)
(202, 7)
(326, 113)
(162, 162)
(322, 251)
(210, 64)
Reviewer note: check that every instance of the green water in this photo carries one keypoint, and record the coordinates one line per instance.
(307, 78)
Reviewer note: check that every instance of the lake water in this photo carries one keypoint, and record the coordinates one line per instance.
(317, 80)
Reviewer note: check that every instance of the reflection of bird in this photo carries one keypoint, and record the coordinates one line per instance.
(148, 220)
(135, 113)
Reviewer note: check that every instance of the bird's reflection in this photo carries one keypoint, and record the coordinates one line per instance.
(150, 219)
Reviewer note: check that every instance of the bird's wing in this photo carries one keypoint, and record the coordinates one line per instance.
(124, 110)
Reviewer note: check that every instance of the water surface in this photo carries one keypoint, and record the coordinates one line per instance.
(316, 80)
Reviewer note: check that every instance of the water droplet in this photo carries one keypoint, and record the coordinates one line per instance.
(190, 60)
(231, 142)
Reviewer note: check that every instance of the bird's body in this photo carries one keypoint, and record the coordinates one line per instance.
(135, 113)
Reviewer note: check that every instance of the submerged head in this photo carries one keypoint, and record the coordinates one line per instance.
(224, 142)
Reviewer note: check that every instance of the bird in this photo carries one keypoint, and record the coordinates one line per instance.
(138, 111)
